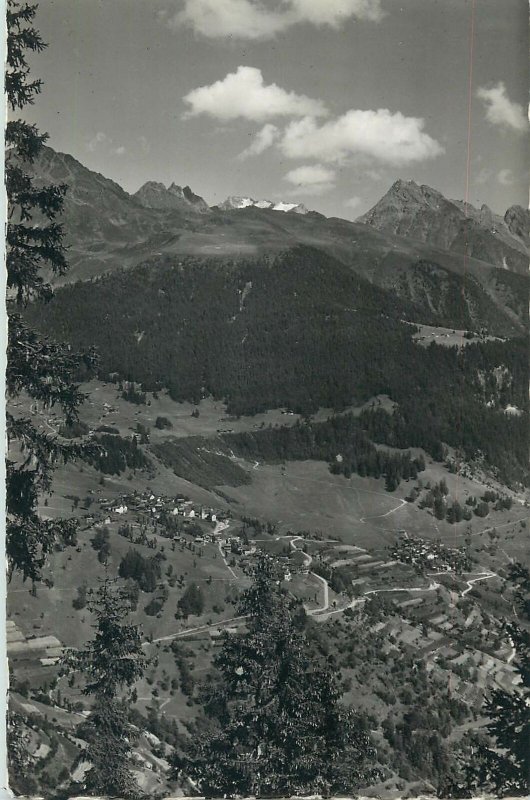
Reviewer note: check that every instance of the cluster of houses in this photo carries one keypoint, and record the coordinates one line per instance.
(155, 507)
(236, 546)
(433, 556)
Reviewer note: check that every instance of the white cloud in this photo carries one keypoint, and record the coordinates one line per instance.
(353, 202)
(500, 110)
(375, 175)
(252, 19)
(483, 176)
(101, 140)
(505, 177)
(312, 179)
(217, 19)
(334, 12)
(98, 139)
(262, 140)
(310, 174)
(244, 94)
(386, 137)
(144, 144)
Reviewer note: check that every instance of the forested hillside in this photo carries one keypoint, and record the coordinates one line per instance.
(108, 230)
(302, 331)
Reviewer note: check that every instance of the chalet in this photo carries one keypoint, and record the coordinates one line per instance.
(358, 581)
(415, 601)
(439, 620)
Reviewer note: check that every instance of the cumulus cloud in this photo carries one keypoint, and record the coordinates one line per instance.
(312, 178)
(252, 19)
(335, 12)
(144, 144)
(483, 176)
(98, 139)
(353, 203)
(244, 94)
(375, 175)
(500, 110)
(262, 140)
(505, 177)
(240, 19)
(387, 137)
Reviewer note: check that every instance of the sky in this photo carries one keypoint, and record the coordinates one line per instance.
(325, 102)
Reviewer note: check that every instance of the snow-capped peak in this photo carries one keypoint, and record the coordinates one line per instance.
(234, 203)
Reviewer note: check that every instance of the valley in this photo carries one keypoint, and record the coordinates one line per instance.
(348, 400)
(347, 546)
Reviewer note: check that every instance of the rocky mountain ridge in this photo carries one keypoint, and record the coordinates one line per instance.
(155, 195)
(423, 214)
(108, 229)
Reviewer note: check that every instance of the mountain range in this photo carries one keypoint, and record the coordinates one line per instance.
(411, 243)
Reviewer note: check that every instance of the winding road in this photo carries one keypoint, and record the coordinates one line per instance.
(482, 576)
(387, 514)
(308, 560)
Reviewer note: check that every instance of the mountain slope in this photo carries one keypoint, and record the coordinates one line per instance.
(299, 329)
(105, 227)
(108, 229)
(517, 219)
(423, 214)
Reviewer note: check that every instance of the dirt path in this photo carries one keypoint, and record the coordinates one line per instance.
(307, 562)
(503, 525)
(387, 514)
(198, 629)
(430, 588)
(483, 576)
(227, 565)
(325, 606)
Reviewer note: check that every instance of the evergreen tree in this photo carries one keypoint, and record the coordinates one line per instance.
(110, 663)
(18, 737)
(520, 575)
(276, 726)
(192, 601)
(508, 765)
(504, 765)
(38, 368)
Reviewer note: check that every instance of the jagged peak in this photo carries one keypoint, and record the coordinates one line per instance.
(152, 185)
(401, 183)
(173, 188)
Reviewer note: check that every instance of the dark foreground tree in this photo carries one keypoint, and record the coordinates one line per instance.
(276, 723)
(36, 369)
(506, 766)
(500, 763)
(110, 664)
(18, 737)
